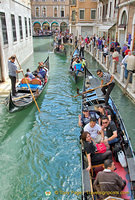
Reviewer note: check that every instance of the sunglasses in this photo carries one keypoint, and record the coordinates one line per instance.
(98, 74)
(104, 122)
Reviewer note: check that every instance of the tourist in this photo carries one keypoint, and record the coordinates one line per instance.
(95, 130)
(30, 74)
(123, 50)
(92, 155)
(130, 64)
(104, 112)
(12, 73)
(111, 135)
(105, 52)
(82, 43)
(86, 116)
(107, 182)
(115, 56)
(109, 82)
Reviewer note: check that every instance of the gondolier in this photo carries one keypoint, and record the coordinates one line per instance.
(12, 73)
(108, 81)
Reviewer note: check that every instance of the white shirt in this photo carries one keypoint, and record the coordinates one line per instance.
(93, 131)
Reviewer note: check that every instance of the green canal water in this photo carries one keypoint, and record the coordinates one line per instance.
(40, 152)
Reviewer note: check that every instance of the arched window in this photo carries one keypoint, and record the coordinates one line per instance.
(55, 12)
(124, 18)
(44, 12)
(37, 11)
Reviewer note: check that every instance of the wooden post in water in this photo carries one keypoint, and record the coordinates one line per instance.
(122, 73)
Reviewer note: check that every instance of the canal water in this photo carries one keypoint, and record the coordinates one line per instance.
(40, 152)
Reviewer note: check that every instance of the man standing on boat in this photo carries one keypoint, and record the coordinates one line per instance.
(107, 182)
(12, 73)
(108, 81)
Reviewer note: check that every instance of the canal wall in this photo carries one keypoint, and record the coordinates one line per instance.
(110, 66)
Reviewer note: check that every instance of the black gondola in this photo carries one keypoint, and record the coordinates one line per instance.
(76, 71)
(59, 51)
(90, 100)
(24, 97)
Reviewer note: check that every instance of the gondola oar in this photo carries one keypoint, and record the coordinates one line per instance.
(28, 85)
(87, 91)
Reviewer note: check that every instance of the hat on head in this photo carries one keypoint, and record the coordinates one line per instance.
(85, 109)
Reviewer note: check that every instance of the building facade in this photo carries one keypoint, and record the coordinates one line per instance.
(50, 15)
(15, 32)
(107, 15)
(126, 23)
(82, 18)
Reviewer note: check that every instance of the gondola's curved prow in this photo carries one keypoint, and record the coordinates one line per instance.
(94, 99)
(25, 99)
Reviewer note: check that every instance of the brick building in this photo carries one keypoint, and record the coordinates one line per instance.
(83, 17)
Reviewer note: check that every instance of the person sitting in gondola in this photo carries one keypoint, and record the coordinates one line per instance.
(86, 115)
(26, 79)
(103, 112)
(95, 130)
(42, 71)
(36, 80)
(30, 74)
(92, 155)
(83, 62)
(57, 48)
(108, 182)
(111, 135)
(75, 61)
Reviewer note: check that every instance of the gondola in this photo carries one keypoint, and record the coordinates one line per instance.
(46, 34)
(92, 99)
(59, 51)
(24, 97)
(76, 71)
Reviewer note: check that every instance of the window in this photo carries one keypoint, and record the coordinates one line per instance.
(82, 0)
(62, 12)
(4, 28)
(20, 27)
(43, 0)
(73, 15)
(26, 29)
(55, 12)
(13, 28)
(55, 0)
(37, 11)
(124, 18)
(93, 14)
(30, 26)
(110, 9)
(44, 12)
(82, 14)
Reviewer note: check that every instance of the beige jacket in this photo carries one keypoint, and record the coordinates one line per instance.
(131, 62)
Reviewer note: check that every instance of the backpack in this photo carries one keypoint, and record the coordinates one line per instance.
(117, 148)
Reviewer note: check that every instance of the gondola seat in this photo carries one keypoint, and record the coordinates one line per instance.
(36, 81)
(31, 86)
(26, 80)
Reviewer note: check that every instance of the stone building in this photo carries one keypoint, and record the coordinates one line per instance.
(82, 19)
(107, 13)
(50, 14)
(15, 32)
(126, 23)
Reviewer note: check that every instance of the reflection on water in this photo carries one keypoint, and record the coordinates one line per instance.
(40, 152)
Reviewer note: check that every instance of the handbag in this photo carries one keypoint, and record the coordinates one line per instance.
(101, 148)
(122, 159)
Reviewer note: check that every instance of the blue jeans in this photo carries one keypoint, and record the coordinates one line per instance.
(113, 141)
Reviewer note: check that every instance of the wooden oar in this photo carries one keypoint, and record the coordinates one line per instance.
(28, 86)
(87, 91)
